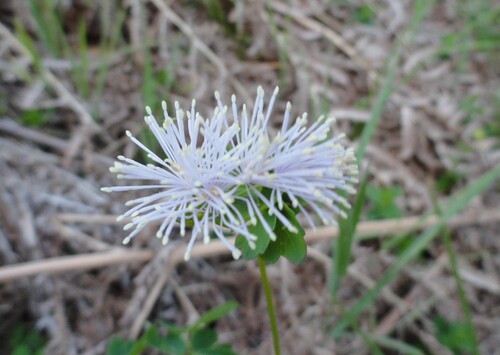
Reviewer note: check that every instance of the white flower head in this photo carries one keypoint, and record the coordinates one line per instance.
(208, 166)
(193, 179)
(306, 164)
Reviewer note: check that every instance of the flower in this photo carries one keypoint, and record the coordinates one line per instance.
(194, 181)
(299, 162)
(216, 165)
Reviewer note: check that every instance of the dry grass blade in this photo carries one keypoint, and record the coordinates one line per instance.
(96, 260)
(74, 262)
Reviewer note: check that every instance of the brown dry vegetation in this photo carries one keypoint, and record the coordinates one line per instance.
(70, 89)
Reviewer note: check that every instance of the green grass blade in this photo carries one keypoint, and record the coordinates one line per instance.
(148, 80)
(27, 41)
(54, 25)
(214, 314)
(456, 203)
(469, 327)
(464, 304)
(343, 244)
(459, 200)
(216, 12)
(81, 70)
(45, 36)
(49, 27)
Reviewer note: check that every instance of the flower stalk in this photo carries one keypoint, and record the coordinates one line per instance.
(270, 306)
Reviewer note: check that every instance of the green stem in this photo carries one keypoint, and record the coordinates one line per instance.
(270, 307)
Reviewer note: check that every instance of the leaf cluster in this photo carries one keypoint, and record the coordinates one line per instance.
(290, 245)
(196, 339)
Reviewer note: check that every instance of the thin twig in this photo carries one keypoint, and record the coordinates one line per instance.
(185, 302)
(73, 262)
(10, 126)
(96, 219)
(95, 260)
(71, 235)
(169, 260)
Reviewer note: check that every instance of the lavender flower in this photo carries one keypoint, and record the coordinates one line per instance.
(298, 162)
(195, 182)
(218, 161)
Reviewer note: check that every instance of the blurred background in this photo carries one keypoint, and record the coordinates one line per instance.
(415, 85)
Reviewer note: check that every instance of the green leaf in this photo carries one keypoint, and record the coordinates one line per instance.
(262, 238)
(21, 350)
(364, 14)
(117, 346)
(456, 336)
(242, 206)
(215, 314)
(217, 349)
(33, 118)
(172, 343)
(383, 202)
(203, 338)
(290, 245)
(25, 341)
(273, 252)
